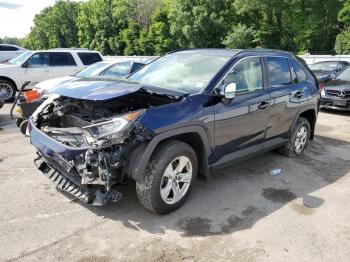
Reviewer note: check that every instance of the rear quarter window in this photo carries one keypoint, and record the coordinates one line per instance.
(300, 73)
(89, 58)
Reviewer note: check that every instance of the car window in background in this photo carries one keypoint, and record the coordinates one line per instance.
(8, 48)
(92, 70)
(300, 73)
(61, 59)
(89, 58)
(345, 75)
(279, 71)
(136, 66)
(325, 66)
(38, 59)
(247, 74)
(20, 59)
(118, 70)
(189, 72)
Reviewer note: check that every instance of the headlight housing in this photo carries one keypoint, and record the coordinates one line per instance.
(114, 130)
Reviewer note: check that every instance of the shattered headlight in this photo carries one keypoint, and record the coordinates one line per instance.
(112, 130)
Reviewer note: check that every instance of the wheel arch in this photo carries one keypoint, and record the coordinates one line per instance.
(10, 80)
(195, 136)
(310, 114)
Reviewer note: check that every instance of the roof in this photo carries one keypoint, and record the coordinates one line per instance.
(234, 52)
(68, 50)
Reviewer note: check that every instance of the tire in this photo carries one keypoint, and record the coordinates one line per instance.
(151, 187)
(291, 149)
(23, 127)
(19, 121)
(8, 89)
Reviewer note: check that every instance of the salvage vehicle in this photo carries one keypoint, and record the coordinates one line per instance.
(335, 94)
(179, 117)
(27, 102)
(328, 70)
(8, 52)
(42, 65)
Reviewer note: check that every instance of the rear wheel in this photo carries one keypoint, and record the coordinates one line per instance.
(298, 140)
(169, 177)
(7, 90)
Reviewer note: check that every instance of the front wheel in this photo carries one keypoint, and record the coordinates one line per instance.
(169, 177)
(298, 140)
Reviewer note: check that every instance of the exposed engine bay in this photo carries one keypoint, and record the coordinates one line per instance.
(108, 131)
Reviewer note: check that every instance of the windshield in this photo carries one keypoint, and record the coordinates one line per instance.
(21, 58)
(327, 66)
(92, 70)
(345, 75)
(187, 71)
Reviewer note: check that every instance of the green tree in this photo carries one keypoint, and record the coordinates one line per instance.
(240, 36)
(55, 26)
(342, 43)
(199, 23)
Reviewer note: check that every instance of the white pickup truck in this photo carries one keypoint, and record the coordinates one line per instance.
(37, 66)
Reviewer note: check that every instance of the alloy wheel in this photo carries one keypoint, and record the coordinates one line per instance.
(176, 180)
(6, 91)
(300, 139)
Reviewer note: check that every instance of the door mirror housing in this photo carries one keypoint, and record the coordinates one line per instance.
(333, 76)
(25, 65)
(229, 91)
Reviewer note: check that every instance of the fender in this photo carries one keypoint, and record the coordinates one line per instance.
(300, 111)
(142, 154)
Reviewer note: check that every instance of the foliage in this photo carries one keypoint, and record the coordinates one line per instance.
(55, 27)
(148, 27)
(240, 36)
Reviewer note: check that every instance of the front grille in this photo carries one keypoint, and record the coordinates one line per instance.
(336, 93)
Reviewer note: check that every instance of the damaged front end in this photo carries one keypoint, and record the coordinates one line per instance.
(84, 145)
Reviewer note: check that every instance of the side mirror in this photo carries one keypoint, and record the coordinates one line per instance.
(25, 65)
(230, 91)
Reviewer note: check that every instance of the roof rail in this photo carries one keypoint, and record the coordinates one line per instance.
(71, 48)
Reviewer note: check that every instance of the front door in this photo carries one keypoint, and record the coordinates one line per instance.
(36, 68)
(240, 124)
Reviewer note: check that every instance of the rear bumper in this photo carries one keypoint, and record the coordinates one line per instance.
(55, 161)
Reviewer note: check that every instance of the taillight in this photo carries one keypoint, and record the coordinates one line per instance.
(32, 95)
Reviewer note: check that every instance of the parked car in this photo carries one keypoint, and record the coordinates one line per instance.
(30, 100)
(183, 115)
(335, 94)
(42, 65)
(105, 69)
(8, 52)
(328, 70)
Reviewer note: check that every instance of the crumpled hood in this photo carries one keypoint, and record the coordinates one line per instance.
(338, 85)
(100, 89)
(54, 82)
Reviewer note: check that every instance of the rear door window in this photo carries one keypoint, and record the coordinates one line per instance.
(279, 71)
(61, 59)
(89, 58)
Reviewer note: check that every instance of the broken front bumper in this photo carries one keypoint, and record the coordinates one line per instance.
(55, 161)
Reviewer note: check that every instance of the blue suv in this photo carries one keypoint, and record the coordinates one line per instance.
(182, 116)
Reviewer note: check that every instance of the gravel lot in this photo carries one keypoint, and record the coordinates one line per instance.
(241, 213)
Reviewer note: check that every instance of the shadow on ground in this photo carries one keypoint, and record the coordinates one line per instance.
(238, 196)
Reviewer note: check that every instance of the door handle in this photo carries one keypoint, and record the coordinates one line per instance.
(299, 94)
(264, 105)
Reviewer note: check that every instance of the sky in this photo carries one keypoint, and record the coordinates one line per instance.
(16, 16)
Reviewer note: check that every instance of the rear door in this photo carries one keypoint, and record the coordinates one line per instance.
(240, 124)
(62, 64)
(286, 94)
